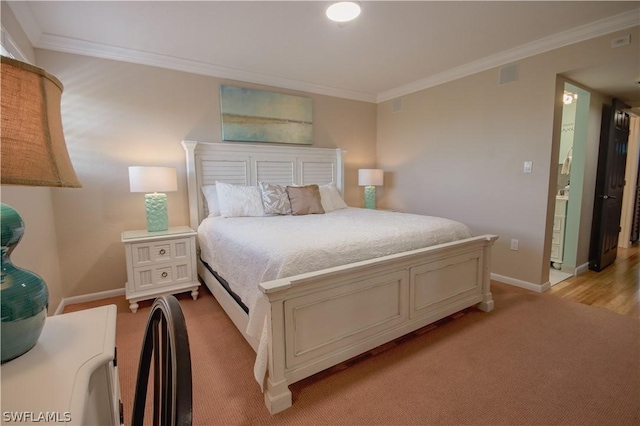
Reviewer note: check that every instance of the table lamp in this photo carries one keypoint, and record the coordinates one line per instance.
(370, 178)
(154, 181)
(34, 153)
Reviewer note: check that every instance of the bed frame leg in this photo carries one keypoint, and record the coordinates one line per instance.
(277, 397)
(487, 303)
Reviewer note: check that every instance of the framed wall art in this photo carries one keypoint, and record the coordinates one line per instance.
(250, 115)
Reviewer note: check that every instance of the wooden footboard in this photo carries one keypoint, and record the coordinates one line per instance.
(320, 319)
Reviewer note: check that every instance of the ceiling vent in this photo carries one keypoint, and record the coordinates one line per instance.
(397, 105)
(508, 74)
(621, 41)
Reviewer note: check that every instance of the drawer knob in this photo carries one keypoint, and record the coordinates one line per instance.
(163, 251)
(164, 275)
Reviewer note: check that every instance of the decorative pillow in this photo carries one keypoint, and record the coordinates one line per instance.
(211, 195)
(305, 199)
(238, 200)
(331, 198)
(275, 198)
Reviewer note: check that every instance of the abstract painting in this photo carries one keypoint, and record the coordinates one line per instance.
(250, 115)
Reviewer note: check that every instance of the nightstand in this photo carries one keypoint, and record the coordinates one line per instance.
(160, 263)
(70, 375)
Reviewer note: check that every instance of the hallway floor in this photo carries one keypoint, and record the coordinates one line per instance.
(556, 277)
(616, 288)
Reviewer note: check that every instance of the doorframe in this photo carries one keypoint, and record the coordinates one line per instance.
(580, 186)
(582, 190)
(576, 178)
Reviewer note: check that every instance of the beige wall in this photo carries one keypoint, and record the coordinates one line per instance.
(118, 114)
(457, 150)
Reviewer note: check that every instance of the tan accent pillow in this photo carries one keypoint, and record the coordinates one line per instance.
(305, 200)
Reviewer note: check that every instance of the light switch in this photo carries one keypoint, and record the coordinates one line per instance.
(528, 165)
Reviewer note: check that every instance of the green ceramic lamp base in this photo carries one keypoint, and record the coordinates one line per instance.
(24, 297)
(157, 218)
(370, 197)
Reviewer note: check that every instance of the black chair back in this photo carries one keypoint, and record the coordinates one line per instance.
(167, 343)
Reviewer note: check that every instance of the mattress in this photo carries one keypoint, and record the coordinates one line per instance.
(246, 251)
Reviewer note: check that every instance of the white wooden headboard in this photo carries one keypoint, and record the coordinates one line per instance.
(248, 164)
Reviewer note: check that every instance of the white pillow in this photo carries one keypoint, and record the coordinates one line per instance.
(239, 200)
(331, 198)
(211, 195)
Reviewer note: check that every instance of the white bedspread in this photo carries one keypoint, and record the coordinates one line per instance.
(246, 251)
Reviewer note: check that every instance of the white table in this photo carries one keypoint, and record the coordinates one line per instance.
(70, 375)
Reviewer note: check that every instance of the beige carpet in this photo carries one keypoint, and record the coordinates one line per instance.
(535, 359)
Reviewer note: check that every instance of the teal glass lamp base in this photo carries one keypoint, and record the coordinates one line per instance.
(369, 197)
(24, 297)
(157, 218)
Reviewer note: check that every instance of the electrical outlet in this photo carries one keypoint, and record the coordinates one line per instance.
(514, 244)
(528, 166)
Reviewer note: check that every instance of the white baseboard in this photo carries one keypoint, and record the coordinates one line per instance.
(88, 298)
(582, 268)
(540, 288)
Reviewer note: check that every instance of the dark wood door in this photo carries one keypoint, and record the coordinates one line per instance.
(612, 159)
(635, 228)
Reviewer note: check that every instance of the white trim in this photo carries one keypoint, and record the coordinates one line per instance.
(575, 35)
(64, 44)
(60, 308)
(539, 288)
(9, 44)
(580, 269)
(87, 298)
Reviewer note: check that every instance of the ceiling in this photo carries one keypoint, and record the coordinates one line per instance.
(393, 48)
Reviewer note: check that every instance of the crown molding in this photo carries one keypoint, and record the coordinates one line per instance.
(81, 47)
(64, 44)
(575, 35)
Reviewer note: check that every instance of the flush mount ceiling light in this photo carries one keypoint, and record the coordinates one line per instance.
(568, 98)
(343, 11)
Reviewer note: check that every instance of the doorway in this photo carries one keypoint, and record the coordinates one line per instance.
(569, 183)
(582, 176)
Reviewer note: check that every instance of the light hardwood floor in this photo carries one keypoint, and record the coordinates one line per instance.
(616, 288)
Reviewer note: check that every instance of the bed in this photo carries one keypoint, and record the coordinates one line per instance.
(303, 312)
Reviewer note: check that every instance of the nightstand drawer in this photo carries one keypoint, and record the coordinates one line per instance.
(158, 276)
(145, 254)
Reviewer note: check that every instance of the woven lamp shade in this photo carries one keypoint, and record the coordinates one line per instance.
(33, 149)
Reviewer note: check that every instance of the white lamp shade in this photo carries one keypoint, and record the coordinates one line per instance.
(152, 179)
(370, 177)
